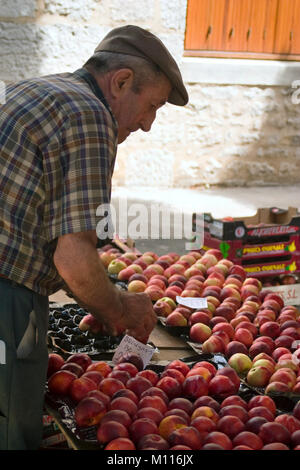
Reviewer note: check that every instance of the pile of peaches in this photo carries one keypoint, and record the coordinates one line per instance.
(182, 407)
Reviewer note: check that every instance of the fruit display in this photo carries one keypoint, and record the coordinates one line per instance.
(181, 405)
(73, 329)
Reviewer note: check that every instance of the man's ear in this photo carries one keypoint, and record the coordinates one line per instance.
(121, 81)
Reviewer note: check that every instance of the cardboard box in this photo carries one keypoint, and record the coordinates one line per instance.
(265, 244)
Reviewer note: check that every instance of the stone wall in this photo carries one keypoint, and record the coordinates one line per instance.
(226, 135)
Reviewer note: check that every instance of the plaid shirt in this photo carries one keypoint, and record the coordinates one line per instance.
(58, 142)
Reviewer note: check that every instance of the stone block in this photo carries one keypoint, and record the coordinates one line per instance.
(17, 8)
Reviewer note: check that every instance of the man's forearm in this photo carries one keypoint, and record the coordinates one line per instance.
(78, 263)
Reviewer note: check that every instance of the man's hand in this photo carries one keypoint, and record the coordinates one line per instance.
(138, 315)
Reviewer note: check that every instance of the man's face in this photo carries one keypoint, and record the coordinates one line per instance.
(138, 111)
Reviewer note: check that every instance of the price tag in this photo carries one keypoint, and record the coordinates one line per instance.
(192, 302)
(131, 345)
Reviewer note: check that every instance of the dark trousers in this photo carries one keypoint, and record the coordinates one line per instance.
(23, 365)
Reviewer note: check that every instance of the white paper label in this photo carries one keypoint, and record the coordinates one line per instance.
(192, 302)
(131, 345)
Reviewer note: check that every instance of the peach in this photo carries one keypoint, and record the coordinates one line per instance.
(91, 324)
(258, 348)
(153, 402)
(176, 374)
(199, 332)
(115, 266)
(203, 424)
(275, 446)
(150, 375)
(109, 386)
(125, 404)
(225, 311)
(100, 366)
(138, 384)
(234, 347)
(234, 410)
(203, 371)
(223, 336)
(141, 427)
(205, 411)
(136, 286)
(55, 363)
(261, 411)
(279, 351)
(170, 424)
(188, 436)
(234, 400)
(286, 376)
(89, 412)
(213, 344)
(248, 326)
(73, 367)
(287, 363)
(274, 432)
(221, 386)
(186, 312)
(230, 425)
(170, 386)
(264, 356)
(179, 365)
(218, 438)
(262, 400)
(271, 329)
(120, 443)
(295, 439)
(82, 359)
(227, 327)
(162, 308)
(154, 292)
(194, 387)
(249, 439)
(244, 336)
(241, 363)
(153, 441)
(206, 400)
(138, 277)
(199, 317)
(277, 387)
(80, 387)
(111, 430)
(155, 391)
(254, 423)
(127, 367)
(231, 374)
(151, 413)
(176, 319)
(60, 382)
(182, 403)
(119, 416)
(290, 422)
(207, 365)
(179, 412)
(93, 375)
(258, 376)
(99, 396)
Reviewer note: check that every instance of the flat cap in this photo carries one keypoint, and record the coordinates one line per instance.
(136, 41)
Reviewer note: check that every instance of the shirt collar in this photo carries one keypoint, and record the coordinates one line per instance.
(90, 80)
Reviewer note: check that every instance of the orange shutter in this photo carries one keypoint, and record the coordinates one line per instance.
(243, 28)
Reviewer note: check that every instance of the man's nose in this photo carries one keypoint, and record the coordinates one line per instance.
(146, 122)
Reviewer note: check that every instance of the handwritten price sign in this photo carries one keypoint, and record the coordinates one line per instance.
(131, 345)
(290, 293)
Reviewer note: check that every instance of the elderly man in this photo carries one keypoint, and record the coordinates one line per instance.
(58, 142)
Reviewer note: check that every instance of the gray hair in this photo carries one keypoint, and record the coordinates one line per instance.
(145, 72)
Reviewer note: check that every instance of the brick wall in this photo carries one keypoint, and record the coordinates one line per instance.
(226, 135)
